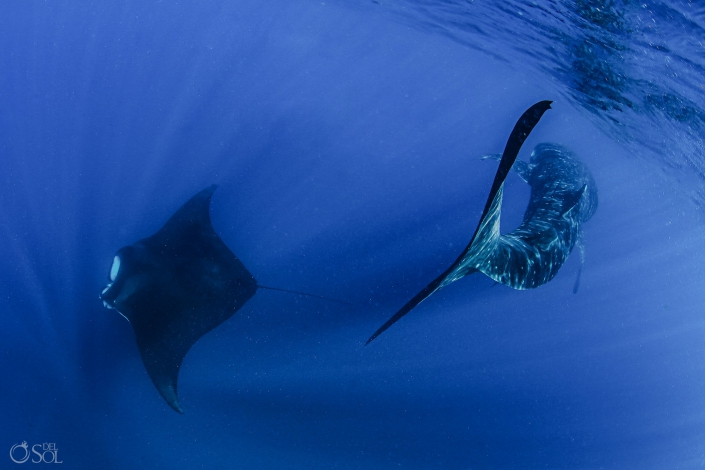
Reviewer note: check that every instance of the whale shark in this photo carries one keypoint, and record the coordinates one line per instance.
(563, 197)
(176, 286)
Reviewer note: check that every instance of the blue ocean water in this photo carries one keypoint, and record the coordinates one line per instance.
(345, 139)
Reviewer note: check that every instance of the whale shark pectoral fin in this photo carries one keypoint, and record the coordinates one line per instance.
(581, 248)
(488, 228)
(576, 286)
(570, 203)
(573, 200)
(520, 167)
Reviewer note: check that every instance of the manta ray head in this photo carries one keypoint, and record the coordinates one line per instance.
(124, 276)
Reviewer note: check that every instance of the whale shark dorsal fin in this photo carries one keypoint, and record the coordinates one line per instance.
(573, 200)
(489, 221)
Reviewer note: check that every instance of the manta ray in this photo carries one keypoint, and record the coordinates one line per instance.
(176, 286)
(563, 197)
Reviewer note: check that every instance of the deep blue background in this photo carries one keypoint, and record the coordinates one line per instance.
(345, 141)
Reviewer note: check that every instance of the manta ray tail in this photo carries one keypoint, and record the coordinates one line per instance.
(487, 230)
(304, 293)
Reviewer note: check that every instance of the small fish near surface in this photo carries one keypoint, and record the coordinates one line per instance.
(176, 286)
(563, 197)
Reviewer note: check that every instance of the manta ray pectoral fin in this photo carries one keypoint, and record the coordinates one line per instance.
(167, 390)
(162, 359)
(489, 221)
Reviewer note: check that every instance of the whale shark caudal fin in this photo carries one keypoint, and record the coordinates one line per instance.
(488, 228)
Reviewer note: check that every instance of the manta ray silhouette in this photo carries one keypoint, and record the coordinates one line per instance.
(563, 196)
(176, 286)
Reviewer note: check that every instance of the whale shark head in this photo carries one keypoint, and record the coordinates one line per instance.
(550, 150)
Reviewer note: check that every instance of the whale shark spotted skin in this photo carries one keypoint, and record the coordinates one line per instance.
(563, 196)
